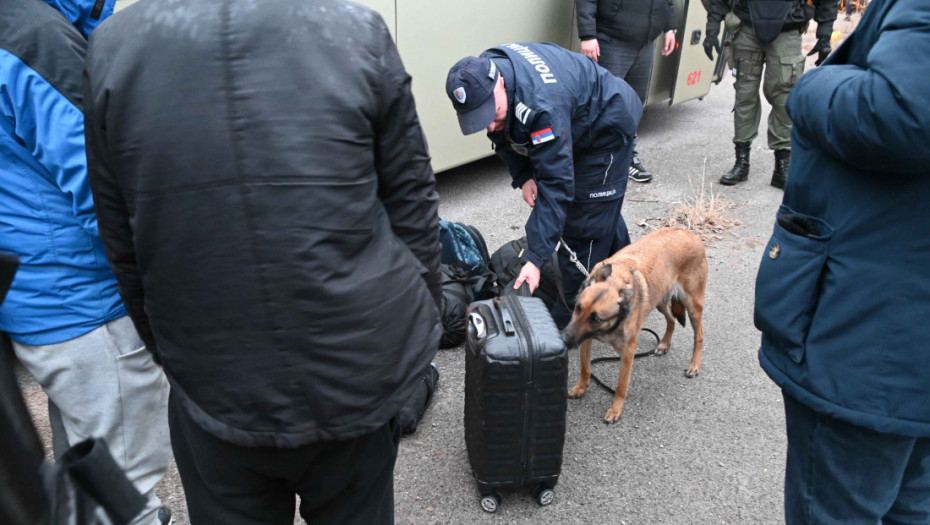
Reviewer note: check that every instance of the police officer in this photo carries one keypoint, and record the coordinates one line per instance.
(564, 127)
(767, 35)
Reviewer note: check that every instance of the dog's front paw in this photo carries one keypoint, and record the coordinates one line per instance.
(692, 372)
(661, 349)
(612, 416)
(577, 391)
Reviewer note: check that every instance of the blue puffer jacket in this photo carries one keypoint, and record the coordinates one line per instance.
(844, 311)
(64, 287)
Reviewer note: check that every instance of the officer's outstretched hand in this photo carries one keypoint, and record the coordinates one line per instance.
(590, 48)
(822, 48)
(528, 274)
(711, 43)
(529, 192)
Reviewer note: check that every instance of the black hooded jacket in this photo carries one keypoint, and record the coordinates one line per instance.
(635, 21)
(266, 199)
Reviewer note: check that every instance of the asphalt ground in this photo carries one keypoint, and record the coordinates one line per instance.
(707, 450)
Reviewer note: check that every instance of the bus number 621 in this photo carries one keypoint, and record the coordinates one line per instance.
(694, 77)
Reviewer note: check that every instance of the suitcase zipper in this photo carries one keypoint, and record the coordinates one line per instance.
(529, 396)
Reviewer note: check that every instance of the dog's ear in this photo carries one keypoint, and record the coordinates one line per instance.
(603, 273)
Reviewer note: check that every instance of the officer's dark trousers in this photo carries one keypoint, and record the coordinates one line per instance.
(594, 229)
(838, 473)
(339, 482)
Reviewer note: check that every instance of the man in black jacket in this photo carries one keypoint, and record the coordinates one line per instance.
(620, 36)
(266, 199)
(767, 34)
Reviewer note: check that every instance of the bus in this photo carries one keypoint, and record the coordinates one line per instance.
(431, 35)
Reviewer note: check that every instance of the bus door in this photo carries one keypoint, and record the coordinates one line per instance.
(687, 73)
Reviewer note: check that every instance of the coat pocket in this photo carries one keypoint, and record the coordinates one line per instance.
(788, 284)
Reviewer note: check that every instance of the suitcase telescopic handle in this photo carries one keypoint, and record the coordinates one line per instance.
(506, 319)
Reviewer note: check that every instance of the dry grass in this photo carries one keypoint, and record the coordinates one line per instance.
(704, 213)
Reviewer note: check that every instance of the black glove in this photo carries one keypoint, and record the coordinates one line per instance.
(711, 41)
(822, 48)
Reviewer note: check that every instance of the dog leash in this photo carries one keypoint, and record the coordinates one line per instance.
(617, 358)
(573, 257)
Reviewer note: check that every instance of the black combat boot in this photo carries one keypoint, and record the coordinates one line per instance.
(780, 175)
(740, 171)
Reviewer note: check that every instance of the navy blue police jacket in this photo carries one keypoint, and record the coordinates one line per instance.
(844, 309)
(563, 107)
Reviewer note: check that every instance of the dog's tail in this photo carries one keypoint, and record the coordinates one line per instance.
(677, 303)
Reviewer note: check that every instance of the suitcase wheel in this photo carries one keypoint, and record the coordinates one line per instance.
(544, 496)
(490, 502)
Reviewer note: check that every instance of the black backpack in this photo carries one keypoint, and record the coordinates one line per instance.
(456, 296)
(466, 254)
(506, 263)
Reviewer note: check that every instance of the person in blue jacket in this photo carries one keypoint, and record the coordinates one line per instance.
(843, 291)
(64, 314)
(564, 127)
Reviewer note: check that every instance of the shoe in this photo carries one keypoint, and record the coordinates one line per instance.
(637, 172)
(782, 161)
(740, 171)
(164, 516)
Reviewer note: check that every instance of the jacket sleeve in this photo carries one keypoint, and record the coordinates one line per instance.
(716, 10)
(112, 209)
(518, 166)
(670, 16)
(586, 14)
(875, 117)
(51, 127)
(554, 169)
(825, 15)
(406, 183)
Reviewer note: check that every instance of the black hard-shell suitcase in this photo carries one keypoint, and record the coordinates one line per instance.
(516, 372)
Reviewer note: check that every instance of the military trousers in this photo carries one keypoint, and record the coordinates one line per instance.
(777, 67)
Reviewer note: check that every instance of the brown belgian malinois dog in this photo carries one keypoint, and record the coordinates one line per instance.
(666, 270)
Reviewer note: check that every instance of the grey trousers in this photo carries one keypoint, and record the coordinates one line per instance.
(105, 384)
(631, 63)
(628, 61)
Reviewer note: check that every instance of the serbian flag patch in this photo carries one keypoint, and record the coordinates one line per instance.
(543, 135)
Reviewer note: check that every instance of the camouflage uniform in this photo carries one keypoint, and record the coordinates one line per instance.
(777, 66)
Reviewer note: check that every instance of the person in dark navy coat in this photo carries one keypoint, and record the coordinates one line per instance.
(564, 127)
(843, 292)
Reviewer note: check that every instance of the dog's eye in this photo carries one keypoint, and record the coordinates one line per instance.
(595, 318)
